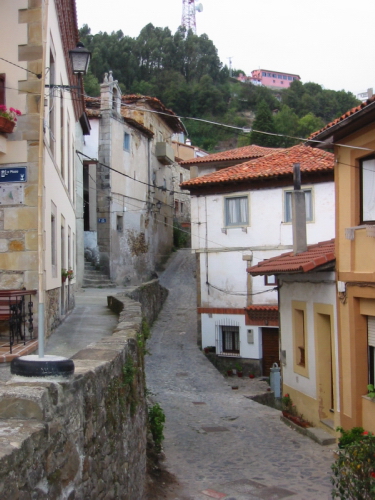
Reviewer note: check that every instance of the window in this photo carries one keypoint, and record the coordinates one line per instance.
(270, 280)
(288, 205)
(299, 337)
(289, 78)
(126, 141)
(62, 137)
(236, 211)
(230, 338)
(279, 77)
(53, 240)
(182, 207)
(176, 206)
(368, 189)
(52, 113)
(371, 349)
(284, 77)
(2, 88)
(119, 223)
(264, 74)
(181, 178)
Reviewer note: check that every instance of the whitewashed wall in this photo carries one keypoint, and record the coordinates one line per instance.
(250, 351)
(267, 236)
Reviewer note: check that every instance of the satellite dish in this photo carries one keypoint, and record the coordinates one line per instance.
(199, 7)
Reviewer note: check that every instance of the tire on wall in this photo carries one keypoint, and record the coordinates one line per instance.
(48, 366)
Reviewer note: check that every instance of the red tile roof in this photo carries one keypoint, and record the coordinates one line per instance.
(314, 257)
(246, 152)
(262, 307)
(343, 117)
(270, 166)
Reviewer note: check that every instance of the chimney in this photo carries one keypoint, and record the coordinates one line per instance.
(298, 213)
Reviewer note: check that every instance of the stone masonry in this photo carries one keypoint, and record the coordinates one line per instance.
(83, 437)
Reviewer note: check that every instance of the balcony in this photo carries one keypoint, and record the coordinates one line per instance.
(164, 153)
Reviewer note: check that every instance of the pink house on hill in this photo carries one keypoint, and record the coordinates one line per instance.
(273, 79)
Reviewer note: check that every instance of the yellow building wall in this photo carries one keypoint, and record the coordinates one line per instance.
(356, 268)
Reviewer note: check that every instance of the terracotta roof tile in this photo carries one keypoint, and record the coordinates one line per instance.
(343, 117)
(246, 152)
(262, 307)
(270, 166)
(314, 257)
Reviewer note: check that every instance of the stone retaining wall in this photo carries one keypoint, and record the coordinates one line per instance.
(83, 437)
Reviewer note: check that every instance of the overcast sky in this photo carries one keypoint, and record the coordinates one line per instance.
(330, 42)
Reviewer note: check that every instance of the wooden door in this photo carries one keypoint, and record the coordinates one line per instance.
(270, 344)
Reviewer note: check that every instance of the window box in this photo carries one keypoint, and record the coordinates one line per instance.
(6, 126)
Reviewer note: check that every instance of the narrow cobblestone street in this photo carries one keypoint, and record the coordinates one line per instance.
(218, 443)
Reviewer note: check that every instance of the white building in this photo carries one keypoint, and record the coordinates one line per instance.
(241, 215)
(39, 210)
(130, 183)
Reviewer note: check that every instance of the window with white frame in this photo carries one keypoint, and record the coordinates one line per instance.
(308, 203)
(236, 211)
(368, 190)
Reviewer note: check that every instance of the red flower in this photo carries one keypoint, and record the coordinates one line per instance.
(372, 474)
(365, 433)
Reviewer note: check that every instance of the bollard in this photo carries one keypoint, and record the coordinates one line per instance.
(275, 380)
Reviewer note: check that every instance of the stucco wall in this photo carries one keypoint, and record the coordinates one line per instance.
(84, 437)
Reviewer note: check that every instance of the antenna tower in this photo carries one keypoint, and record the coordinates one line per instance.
(188, 16)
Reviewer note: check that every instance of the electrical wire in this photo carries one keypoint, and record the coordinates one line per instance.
(244, 294)
(38, 75)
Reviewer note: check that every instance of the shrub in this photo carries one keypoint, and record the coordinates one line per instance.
(349, 437)
(354, 470)
(156, 419)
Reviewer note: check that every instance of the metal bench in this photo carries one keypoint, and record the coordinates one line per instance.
(17, 309)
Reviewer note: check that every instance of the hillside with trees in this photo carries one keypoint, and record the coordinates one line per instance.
(184, 71)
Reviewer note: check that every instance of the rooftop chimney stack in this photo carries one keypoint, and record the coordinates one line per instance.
(298, 213)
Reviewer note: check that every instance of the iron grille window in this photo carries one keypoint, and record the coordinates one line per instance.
(231, 338)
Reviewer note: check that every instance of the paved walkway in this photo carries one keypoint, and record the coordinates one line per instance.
(90, 321)
(219, 443)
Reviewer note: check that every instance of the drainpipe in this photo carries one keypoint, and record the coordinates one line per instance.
(298, 213)
(41, 280)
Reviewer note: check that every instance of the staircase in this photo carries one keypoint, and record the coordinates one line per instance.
(93, 278)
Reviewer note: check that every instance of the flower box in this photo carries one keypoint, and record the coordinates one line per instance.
(6, 126)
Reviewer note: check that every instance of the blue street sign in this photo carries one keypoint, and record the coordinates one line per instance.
(101, 221)
(14, 174)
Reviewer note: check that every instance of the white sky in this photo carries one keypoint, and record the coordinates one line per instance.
(329, 42)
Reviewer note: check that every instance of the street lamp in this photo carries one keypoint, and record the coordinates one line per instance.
(80, 59)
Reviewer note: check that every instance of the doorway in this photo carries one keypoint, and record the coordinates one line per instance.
(270, 346)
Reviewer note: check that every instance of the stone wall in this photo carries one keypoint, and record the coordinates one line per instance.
(151, 296)
(83, 437)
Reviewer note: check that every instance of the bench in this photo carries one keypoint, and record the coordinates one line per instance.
(13, 304)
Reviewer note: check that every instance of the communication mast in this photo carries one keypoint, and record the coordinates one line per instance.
(188, 15)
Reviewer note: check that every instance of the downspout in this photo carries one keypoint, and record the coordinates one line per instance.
(41, 278)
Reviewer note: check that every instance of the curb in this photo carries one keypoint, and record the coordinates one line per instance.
(315, 433)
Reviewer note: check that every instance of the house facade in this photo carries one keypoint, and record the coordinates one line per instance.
(352, 136)
(273, 79)
(308, 330)
(39, 202)
(240, 216)
(130, 184)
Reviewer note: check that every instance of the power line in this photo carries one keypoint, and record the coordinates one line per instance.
(38, 75)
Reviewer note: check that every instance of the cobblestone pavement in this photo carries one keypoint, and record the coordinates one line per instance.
(218, 443)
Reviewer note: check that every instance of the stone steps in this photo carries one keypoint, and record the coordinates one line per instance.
(94, 278)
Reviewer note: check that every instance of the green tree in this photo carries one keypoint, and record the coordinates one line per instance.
(263, 122)
(286, 124)
(309, 124)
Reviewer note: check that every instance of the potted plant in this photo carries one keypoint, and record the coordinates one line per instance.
(229, 371)
(8, 118)
(251, 375)
(70, 274)
(64, 275)
(239, 369)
